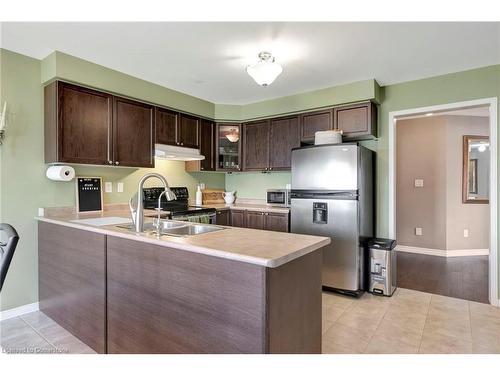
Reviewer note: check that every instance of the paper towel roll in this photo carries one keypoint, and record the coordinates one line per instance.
(61, 173)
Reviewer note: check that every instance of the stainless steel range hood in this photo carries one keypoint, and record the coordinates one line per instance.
(168, 152)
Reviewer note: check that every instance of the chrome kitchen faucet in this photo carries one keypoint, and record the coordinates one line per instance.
(138, 212)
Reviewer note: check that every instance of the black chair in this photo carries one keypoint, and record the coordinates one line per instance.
(6, 249)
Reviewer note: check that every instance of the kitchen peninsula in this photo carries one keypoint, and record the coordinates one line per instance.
(234, 290)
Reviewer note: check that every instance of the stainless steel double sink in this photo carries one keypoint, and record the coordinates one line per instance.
(174, 228)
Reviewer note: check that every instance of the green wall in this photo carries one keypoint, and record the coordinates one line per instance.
(23, 185)
(254, 185)
(353, 92)
(70, 68)
(24, 188)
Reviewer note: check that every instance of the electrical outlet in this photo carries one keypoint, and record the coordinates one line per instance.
(418, 231)
(108, 187)
(119, 187)
(41, 211)
(466, 233)
(419, 182)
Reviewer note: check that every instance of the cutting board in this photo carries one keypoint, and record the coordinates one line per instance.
(213, 196)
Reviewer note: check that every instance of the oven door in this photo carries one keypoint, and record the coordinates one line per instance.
(192, 218)
(277, 197)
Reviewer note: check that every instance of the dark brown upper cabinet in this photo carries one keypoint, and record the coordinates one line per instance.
(256, 145)
(357, 121)
(312, 122)
(86, 126)
(166, 126)
(207, 145)
(284, 135)
(78, 125)
(228, 147)
(207, 149)
(177, 129)
(188, 131)
(133, 133)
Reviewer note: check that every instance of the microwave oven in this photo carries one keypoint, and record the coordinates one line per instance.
(278, 197)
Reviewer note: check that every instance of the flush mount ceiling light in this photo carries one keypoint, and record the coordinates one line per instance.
(266, 70)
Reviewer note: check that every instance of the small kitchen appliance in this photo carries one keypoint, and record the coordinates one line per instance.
(278, 197)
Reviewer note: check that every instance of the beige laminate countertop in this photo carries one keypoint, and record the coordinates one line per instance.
(249, 207)
(260, 247)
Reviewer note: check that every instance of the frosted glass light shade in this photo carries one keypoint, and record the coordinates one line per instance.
(266, 70)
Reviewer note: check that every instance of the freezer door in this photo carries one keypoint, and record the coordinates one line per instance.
(342, 258)
(332, 167)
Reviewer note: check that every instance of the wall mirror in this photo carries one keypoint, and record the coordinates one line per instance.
(476, 169)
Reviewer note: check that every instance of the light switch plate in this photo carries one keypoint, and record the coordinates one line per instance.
(108, 187)
(119, 187)
(466, 233)
(41, 211)
(418, 231)
(419, 182)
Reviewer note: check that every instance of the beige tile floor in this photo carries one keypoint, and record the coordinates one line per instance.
(35, 333)
(408, 322)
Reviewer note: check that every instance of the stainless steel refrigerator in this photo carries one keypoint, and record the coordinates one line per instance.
(333, 196)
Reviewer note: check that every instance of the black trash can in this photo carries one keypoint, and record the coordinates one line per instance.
(382, 266)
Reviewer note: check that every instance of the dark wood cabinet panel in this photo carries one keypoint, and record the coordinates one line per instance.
(284, 135)
(72, 281)
(77, 124)
(357, 121)
(238, 218)
(188, 131)
(159, 301)
(207, 145)
(222, 217)
(133, 133)
(255, 220)
(312, 122)
(256, 145)
(166, 126)
(276, 221)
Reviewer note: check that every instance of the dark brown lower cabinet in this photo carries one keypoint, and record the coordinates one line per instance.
(255, 220)
(160, 301)
(72, 281)
(277, 221)
(238, 218)
(222, 217)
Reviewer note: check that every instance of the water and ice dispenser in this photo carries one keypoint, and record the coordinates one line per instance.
(320, 213)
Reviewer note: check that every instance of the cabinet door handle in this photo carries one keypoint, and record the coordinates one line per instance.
(110, 161)
(182, 143)
(117, 162)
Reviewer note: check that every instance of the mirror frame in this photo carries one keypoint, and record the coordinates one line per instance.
(465, 169)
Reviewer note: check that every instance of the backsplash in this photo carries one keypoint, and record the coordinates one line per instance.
(254, 185)
(174, 171)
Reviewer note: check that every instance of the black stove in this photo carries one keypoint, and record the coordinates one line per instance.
(176, 209)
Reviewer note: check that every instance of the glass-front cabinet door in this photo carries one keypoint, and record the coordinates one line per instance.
(228, 147)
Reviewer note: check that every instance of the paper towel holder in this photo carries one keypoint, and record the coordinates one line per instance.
(70, 172)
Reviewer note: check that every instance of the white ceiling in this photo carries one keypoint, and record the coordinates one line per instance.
(208, 60)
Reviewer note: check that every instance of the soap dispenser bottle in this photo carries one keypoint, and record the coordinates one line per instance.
(199, 196)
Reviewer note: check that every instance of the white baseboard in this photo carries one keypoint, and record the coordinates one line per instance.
(21, 310)
(442, 253)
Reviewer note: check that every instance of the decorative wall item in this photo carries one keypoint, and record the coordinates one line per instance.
(476, 169)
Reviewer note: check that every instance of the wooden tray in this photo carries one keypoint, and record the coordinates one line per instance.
(213, 196)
